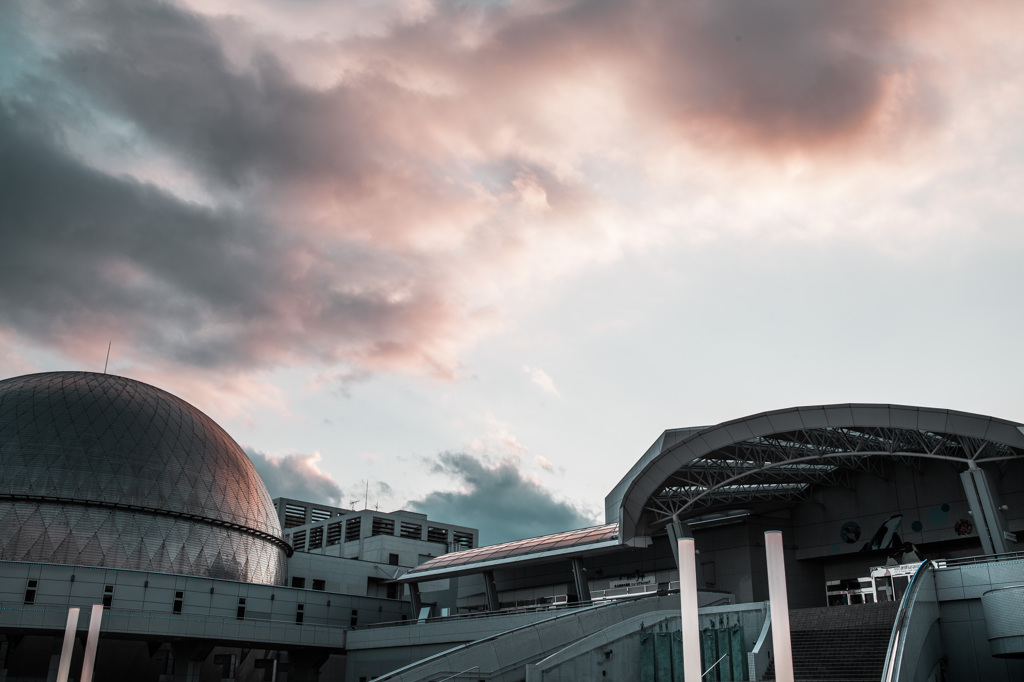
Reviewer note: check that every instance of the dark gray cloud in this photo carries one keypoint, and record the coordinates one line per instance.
(296, 476)
(92, 255)
(354, 224)
(498, 499)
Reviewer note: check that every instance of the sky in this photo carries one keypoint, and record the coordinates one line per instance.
(471, 258)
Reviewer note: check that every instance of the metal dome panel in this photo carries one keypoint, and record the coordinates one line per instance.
(98, 469)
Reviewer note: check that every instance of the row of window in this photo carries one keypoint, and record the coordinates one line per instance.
(295, 515)
(179, 599)
(314, 539)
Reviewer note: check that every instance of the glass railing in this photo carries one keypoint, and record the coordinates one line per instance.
(915, 632)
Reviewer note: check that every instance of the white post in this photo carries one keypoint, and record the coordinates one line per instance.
(779, 605)
(688, 609)
(91, 642)
(69, 645)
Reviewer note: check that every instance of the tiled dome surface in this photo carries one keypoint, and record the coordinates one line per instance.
(77, 448)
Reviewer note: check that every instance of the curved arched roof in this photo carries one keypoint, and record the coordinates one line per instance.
(780, 455)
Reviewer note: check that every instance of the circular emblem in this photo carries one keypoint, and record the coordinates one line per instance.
(850, 532)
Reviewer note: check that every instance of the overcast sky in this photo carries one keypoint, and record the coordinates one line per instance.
(471, 258)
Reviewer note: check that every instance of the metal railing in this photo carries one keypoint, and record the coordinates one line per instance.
(511, 611)
(981, 559)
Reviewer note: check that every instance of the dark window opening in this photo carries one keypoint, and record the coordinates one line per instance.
(334, 533)
(240, 615)
(462, 540)
(108, 596)
(30, 592)
(179, 599)
(393, 591)
(355, 618)
(320, 515)
(299, 614)
(319, 585)
(393, 559)
(352, 529)
(298, 582)
(294, 515)
(382, 526)
(316, 537)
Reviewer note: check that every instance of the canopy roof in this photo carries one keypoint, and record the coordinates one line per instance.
(571, 542)
(781, 455)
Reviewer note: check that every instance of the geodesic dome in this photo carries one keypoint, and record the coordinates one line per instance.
(101, 470)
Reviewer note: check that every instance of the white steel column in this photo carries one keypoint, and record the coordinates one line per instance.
(91, 642)
(688, 609)
(69, 645)
(780, 606)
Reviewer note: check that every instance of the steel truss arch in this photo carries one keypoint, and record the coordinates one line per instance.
(782, 455)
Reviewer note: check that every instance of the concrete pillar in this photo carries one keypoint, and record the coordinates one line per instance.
(92, 642)
(491, 591)
(414, 598)
(779, 600)
(579, 577)
(687, 558)
(678, 530)
(985, 511)
(64, 667)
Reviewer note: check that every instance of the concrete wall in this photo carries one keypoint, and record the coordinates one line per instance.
(963, 632)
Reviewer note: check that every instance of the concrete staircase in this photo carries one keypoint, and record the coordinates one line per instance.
(840, 643)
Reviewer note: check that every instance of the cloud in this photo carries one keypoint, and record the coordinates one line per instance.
(296, 476)
(496, 497)
(243, 192)
(541, 378)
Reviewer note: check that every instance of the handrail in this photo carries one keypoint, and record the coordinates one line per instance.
(754, 653)
(515, 611)
(452, 677)
(715, 664)
(980, 559)
(902, 622)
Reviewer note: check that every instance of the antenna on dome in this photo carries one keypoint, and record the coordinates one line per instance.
(366, 496)
(107, 361)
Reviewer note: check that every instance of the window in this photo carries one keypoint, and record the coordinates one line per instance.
(320, 515)
(393, 559)
(413, 531)
(299, 541)
(240, 614)
(179, 599)
(30, 592)
(294, 515)
(437, 535)
(108, 596)
(334, 533)
(393, 590)
(355, 618)
(319, 585)
(352, 529)
(462, 540)
(382, 526)
(316, 537)
(298, 582)
(299, 613)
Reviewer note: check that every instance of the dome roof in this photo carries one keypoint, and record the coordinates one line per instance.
(80, 439)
